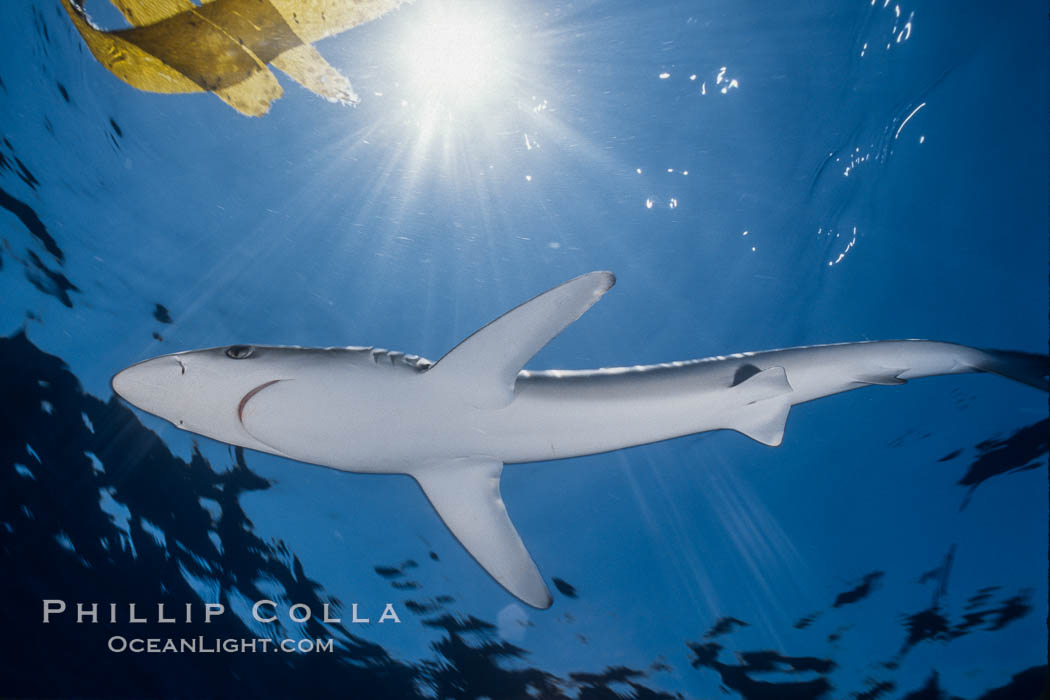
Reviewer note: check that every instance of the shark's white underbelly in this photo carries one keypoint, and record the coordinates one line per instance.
(553, 418)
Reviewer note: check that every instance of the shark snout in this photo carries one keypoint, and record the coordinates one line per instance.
(152, 385)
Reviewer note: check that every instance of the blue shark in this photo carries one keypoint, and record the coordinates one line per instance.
(452, 425)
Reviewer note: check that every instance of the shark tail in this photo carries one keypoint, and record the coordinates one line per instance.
(1024, 367)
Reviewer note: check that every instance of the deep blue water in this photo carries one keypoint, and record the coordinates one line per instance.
(870, 171)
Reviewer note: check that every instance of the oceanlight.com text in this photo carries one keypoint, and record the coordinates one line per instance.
(216, 645)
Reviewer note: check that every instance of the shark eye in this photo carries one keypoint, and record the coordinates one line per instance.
(240, 352)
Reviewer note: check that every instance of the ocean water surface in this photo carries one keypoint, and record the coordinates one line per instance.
(756, 175)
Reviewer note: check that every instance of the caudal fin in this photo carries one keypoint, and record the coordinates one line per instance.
(1024, 367)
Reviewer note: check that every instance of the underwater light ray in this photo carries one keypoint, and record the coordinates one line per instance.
(448, 141)
(686, 559)
(464, 110)
(766, 551)
(264, 240)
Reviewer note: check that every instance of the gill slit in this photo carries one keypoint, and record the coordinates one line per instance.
(248, 397)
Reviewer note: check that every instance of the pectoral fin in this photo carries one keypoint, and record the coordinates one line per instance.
(465, 494)
(483, 368)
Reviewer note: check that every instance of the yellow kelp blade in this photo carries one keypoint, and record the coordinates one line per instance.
(306, 66)
(186, 52)
(313, 20)
(224, 46)
(220, 46)
(253, 96)
(127, 61)
(141, 12)
(310, 21)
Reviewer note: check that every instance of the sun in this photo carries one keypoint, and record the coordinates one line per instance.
(458, 57)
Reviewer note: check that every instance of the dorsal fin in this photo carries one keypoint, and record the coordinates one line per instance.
(483, 368)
